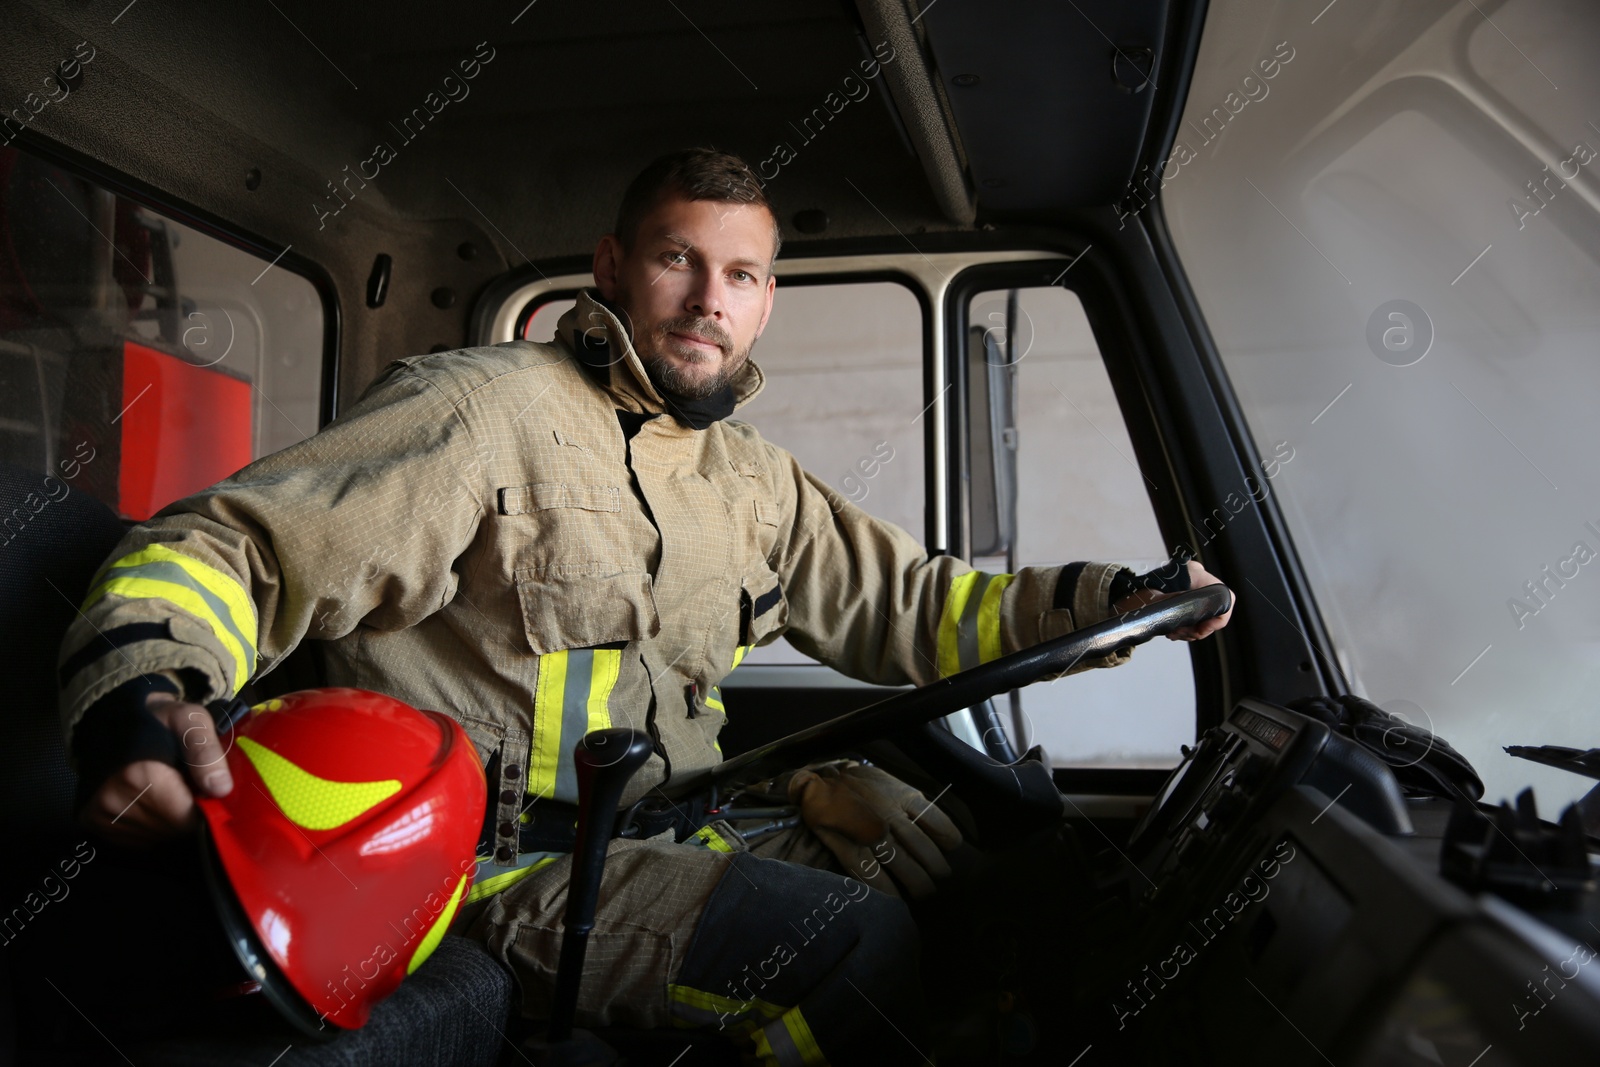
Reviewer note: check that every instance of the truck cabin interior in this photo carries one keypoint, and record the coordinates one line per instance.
(1328, 835)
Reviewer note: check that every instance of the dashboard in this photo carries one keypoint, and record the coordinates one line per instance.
(1283, 903)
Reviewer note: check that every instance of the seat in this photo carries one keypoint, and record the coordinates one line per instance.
(93, 942)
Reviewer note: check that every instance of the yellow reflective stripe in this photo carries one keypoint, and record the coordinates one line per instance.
(309, 801)
(804, 1043)
(712, 840)
(714, 700)
(695, 1007)
(547, 707)
(435, 934)
(602, 680)
(156, 572)
(788, 1043)
(488, 887)
(764, 1054)
(225, 588)
(989, 643)
(572, 698)
(183, 597)
(969, 627)
(739, 654)
(955, 605)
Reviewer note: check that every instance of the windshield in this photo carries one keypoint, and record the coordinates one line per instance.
(1388, 213)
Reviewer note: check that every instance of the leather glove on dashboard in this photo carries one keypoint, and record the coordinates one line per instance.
(875, 823)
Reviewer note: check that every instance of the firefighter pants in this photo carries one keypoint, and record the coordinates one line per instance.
(806, 965)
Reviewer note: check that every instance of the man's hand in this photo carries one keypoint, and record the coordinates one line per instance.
(1198, 576)
(873, 823)
(147, 802)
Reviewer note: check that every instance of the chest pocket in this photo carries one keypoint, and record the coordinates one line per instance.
(582, 605)
(527, 499)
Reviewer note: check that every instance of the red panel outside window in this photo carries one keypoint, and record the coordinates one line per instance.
(183, 428)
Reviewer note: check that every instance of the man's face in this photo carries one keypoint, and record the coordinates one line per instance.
(695, 290)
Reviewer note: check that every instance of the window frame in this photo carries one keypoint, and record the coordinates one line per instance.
(503, 310)
(1150, 451)
(231, 234)
(1181, 416)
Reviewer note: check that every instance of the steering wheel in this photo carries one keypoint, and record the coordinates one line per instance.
(963, 690)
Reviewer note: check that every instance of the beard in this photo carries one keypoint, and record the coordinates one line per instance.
(654, 342)
(689, 382)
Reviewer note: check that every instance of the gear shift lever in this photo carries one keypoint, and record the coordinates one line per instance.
(606, 761)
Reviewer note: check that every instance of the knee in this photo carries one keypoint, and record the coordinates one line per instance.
(885, 929)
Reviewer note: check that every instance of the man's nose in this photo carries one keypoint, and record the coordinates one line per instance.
(706, 297)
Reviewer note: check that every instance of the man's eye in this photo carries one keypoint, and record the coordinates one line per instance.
(742, 276)
(677, 259)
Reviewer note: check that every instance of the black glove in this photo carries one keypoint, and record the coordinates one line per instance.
(118, 729)
(1170, 577)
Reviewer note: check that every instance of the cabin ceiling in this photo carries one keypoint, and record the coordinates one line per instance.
(989, 113)
(579, 95)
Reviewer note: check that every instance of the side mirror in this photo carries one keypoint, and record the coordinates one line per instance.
(992, 419)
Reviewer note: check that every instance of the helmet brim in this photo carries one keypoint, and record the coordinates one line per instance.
(246, 945)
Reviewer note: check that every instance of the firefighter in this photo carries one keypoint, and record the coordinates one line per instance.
(541, 540)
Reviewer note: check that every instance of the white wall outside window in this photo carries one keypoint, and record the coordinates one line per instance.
(1081, 496)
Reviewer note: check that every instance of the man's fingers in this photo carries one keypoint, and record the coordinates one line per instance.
(917, 847)
(144, 802)
(205, 757)
(914, 878)
(931, 820)
(857, 860)
(1198, 578)
(826, 803)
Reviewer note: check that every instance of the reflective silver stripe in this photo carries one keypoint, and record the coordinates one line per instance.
(176, 575)
(967, 628)
(574, 718)
(782, 1044)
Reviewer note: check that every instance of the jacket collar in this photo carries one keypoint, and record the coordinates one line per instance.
(594, 333)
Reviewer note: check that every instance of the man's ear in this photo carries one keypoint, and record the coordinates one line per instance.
(607, 264)
(766, 312)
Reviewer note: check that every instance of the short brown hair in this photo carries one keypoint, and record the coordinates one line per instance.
(693, 174)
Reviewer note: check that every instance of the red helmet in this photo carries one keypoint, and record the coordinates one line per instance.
(345, 848)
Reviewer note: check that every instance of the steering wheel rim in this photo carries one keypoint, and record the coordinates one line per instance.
(959, 691)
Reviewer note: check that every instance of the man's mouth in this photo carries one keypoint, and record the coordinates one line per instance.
(695, 341)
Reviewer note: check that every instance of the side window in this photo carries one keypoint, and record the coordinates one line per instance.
(541, 325)
(843, 364)
(140, 359)
(1053, 480)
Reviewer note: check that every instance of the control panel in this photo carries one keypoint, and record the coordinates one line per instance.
(1238, 767)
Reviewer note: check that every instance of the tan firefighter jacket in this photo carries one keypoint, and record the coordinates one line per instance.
(477, 536)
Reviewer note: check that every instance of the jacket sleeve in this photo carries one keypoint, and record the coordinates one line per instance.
(865, 598)
(358, 524)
